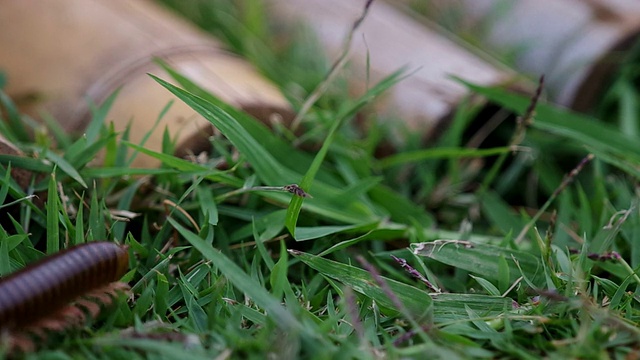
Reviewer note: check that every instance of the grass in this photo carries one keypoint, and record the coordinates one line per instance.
(411, 255)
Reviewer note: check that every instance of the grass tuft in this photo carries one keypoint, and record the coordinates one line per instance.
(339, 254)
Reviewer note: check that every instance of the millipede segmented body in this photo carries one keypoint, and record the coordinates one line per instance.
(44, 288)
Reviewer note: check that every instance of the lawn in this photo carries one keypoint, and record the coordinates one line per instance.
(527, 246)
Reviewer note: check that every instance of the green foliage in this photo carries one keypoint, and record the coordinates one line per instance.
(224, 266)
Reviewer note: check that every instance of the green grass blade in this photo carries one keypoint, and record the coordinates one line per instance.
(82, 152)
(5, 260)
(153, 128)
(115, 172)
(207, 205)
(53, 232)
(79, 238)
(599, 137)
(286, 154)
(439, 153)
(61, 136)
(296, 202)
(241, 280)
(269, 170)
(18, 131)
(481, 259)
(399, 208)
(417, 302)
(315, 232)
(188, 166)
(452, 307)
(99, 114)
(163, 349)
(96, 219)
(66, 167)
(26, 163)
(628, 108)
(4, 190)
(500, 214)
(385, 233)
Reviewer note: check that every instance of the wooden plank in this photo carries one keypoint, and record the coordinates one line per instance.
(63, 52)
(577, 44)
(391, 40)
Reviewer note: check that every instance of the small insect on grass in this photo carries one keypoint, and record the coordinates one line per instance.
(292, 188)
(296, 190)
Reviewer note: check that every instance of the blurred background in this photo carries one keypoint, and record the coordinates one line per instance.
(586, 50)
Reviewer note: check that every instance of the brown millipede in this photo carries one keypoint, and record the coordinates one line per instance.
(44, 288)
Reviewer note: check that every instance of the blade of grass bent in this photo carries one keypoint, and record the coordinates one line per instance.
(66, 167)
(267, 167)
(286, 154)
(482, 259)
(269, 170)
(417, 301)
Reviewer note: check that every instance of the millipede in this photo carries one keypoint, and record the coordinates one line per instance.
(41, 291)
